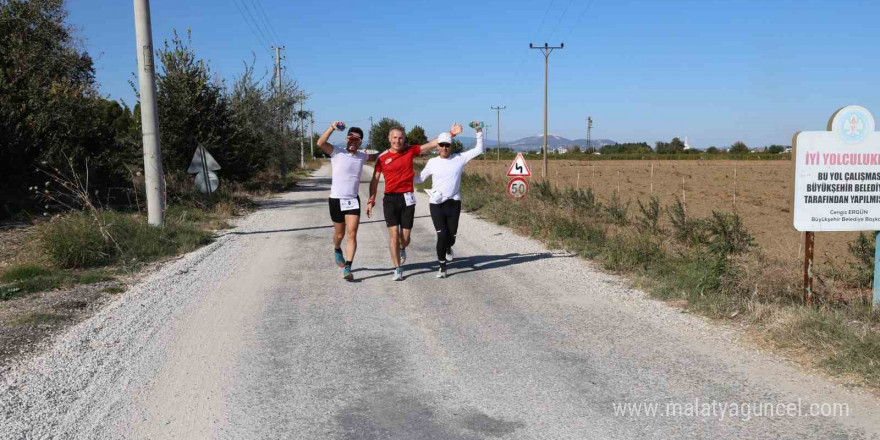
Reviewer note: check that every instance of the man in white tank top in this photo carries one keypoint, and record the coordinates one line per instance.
(345, 208)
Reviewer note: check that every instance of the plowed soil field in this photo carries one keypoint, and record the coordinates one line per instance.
(760, 191)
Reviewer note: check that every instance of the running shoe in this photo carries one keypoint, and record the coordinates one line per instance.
(398, 274)
(402, 255)
(340, 259)
(346, 274)
(441, 273)
(449, 254)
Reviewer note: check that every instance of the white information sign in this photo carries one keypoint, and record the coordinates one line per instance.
(837, 174)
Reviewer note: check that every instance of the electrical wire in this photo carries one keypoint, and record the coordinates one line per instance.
(564, 11)
(578, 20)
(260, 40)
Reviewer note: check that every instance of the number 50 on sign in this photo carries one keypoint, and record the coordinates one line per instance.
(517, 188)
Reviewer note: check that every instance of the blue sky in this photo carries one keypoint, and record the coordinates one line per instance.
(714, 71)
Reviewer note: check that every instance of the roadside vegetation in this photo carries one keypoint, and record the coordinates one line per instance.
(708, 266)
(72, 202)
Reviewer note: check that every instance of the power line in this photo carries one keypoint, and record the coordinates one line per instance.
(564, 11)
(260, 40)
(578, 20)
(266, 20)
(256, 22)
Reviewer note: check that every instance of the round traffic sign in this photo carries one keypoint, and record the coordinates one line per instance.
(517, 188)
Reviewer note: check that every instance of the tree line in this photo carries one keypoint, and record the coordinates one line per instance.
(52, 112)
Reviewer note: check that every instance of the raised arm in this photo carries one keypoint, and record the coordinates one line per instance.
(454, 130)
(325, 146)
(477, 150)
(374, 188)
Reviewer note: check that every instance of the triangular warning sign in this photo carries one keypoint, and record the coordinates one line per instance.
(519, 168)
(198, 165)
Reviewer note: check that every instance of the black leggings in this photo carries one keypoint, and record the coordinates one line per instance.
(445, 217)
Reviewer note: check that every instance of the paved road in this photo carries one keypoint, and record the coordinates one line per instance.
(258, 336)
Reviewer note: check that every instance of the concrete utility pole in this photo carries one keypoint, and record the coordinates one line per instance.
(498, 147)
(153, 177)
(312, 135)
(546, 51)
(302, 145)
(589, 128)
(280, 119)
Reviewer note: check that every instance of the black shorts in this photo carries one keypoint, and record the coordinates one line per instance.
(337, 215)
(396, 211)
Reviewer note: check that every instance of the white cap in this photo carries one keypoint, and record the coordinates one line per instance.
(444, 138)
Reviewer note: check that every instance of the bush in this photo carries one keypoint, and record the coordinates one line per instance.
(687, 230)
(727, 235)
(545, 192)
(82, 240)
(616, 211)
(649, 220)
(862, 248)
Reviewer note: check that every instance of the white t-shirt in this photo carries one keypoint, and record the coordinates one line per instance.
(346, 168)
(447, 172)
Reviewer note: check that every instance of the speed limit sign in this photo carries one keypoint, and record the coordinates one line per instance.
(517, 188)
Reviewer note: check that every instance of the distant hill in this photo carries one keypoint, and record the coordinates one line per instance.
(533, 143)
(469, 142)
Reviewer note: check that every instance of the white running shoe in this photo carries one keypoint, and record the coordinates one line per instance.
(398, 274)
(441, 273)
(449, 254)
(402, 255)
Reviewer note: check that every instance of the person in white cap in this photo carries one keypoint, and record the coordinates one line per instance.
(399, 201)
(345, 208)
(445, 193)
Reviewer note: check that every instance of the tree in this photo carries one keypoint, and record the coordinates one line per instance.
(457, 146)
(627, 148)
(590, 150)
(50, 108)
(192, 107)
(738, 147)
(574, 149)
(776, 149)
(416, 136)
(712, 150)
(379, 133)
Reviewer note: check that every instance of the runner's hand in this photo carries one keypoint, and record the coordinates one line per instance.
(456, 129)
(334, 124)
(369, 210)
(476, 125)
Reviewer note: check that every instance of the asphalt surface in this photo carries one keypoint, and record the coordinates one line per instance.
(258, 336)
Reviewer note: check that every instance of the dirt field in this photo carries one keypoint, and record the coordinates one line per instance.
(760, 191)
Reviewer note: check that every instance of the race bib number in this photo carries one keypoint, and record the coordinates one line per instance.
(409, 198)
(348, 204)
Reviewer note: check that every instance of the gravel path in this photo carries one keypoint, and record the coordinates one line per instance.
(257, 336)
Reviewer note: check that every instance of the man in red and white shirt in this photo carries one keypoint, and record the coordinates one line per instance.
(399, 202)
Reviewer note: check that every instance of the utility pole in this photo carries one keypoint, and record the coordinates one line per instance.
(370, 144)
(312, 135)
(153, 176)
(280, 119)
(498, 147)
(302, 146)
(546, 50)
(589, 128)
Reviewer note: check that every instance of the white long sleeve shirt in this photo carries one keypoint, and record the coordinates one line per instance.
(447, 173)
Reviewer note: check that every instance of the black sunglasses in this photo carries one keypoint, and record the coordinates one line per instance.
(444, 145)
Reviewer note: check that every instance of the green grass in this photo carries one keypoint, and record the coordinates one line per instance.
(77, 241)
(29, 278)
(113, 290)
(41, 318)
